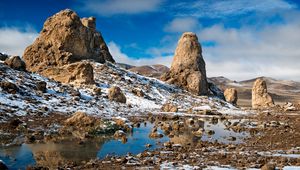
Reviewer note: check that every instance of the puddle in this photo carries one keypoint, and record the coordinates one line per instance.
(53, 154)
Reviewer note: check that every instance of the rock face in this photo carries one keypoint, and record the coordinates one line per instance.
(231, 95)
(3, 57)
(66, 39)
(115, 94)
(77, 73)
(188, 67)
(260, 96)
(15, 62)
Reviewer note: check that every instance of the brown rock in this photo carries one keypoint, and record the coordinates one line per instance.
(15, 62)
(9, 87)
(75, 73)
(231, 95)
(260, 96)
(80, 119)
(41, 86)
(115, 94)
(268, 167)
(138, 92)
(168, 107)
(188, 67)
(66, 39)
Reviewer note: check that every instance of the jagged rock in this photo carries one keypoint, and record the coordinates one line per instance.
(168, 107)
(188, 67)
(138, 92)
(216, 91)
(75, 73)
(3, 57)
(115, 94)
(260, 96)
(15, 62)
(97, 91)
(231, 95)
(9, 87)
(66, 39)
(41, 86)
(80, 119)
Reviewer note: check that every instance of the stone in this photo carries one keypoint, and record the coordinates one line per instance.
(115, 94)
(75, 73)
(97, 91)
(138, 92)
(41, 86)
(188, 66)
(9, 87)
(3, 57)
(268, 167)
(15, 62)
(231, 95)
(65, 39)
(80, 119)
(260, 96)
(168, 107)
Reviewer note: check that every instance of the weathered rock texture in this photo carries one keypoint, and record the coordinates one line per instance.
(15, 62)
(66, 39)
(115, 94)
(231, 95)
(77, 73)
(260, 96)
(188, 67)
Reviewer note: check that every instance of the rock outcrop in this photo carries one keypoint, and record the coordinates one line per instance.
(115, 94)
(75, 73)
(15, 62)
(260, 96)
(188, 67)
(3, 57)
(231, 95)
(66, 39)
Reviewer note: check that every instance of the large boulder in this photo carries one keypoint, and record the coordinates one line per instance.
(65, 39)
(188, 67)
(75, 73)
(231, 95)
(116, 94)
(15, 62)
(260, 96)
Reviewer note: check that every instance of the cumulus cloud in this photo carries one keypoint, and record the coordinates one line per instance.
(120, 57)
(182, 24)
(246, 53)
(114, 7)
(220, 9)
(13, 41)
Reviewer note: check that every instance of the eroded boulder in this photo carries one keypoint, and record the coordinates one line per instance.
(116, 94)
(15, 62)
(188, 66)
(231, 95)
(260, 96)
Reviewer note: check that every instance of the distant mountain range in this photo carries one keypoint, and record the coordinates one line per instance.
(281, 90)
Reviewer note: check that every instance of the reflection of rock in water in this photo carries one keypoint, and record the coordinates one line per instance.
(53, 154)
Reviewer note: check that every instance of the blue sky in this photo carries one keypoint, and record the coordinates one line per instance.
(241, 39)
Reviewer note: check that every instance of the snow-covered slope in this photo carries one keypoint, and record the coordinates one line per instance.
(66, 99)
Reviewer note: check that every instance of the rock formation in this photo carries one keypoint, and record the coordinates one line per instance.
(231, 95)
(260, 96)
(115, 94)
(77, 73)
(188, 67)
(15, 62)
(66, 39)
(3, 57)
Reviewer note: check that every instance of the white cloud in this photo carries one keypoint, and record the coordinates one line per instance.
(246, 53)
(113, 7)
(120, 57)
(219, 9)
(13, 41)
(182, 24)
